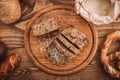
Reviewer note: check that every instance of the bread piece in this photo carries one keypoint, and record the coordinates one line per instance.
(45, 27)
(66, 46)
(75, 37)
(63, 49)
(55, 55)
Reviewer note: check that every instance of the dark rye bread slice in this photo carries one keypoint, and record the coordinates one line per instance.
(45, 27)
(77, 38)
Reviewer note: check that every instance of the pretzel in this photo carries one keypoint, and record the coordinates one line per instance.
(107, 58)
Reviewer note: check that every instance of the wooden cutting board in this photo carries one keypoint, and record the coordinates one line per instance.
(67, 2)
(64, 16)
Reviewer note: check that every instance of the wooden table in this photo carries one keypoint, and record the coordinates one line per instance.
(13, 37)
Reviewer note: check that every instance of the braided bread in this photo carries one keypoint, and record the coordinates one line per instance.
(107, 58)
(8, 65)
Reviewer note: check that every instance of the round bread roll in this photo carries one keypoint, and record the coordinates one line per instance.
(10, 11)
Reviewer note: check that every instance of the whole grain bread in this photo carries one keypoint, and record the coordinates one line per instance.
(45, 27)
(66, 46)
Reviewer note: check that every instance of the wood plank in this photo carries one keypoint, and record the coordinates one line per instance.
(104, 30)
(28, 71)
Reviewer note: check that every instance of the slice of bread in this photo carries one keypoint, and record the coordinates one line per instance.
(66, 46)
(44, 27)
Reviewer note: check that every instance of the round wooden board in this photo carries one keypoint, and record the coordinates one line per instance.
(64, 16)
(68, 2)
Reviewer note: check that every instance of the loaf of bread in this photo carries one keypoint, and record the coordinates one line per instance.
(66, 46)
(10, 11)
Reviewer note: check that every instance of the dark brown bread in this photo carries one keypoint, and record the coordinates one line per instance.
(75, 37)
(66, 46)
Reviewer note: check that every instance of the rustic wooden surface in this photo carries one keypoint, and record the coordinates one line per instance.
(38, 57)
(13, 37)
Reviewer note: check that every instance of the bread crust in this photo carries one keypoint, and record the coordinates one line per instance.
(10, 11)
